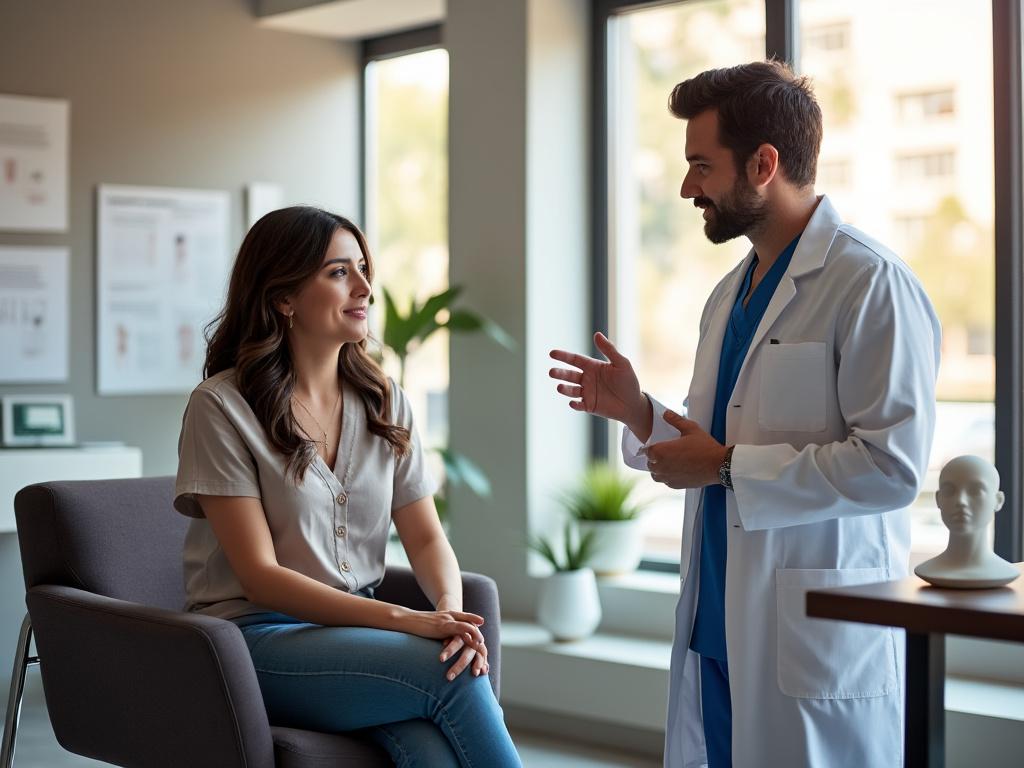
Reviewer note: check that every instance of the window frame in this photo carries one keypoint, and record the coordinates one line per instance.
(380, 48)
(373, 50)
(1009, 448)
(782, 35)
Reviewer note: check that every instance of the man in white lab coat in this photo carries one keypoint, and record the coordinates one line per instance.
(805, 435)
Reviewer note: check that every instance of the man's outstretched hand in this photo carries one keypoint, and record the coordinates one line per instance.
(604, 388)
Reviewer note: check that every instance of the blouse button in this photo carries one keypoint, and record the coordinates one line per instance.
(342, 498)
(340, 530)
(345, 566)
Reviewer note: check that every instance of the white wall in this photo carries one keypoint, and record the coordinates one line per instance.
(185, 94)
(519, 197)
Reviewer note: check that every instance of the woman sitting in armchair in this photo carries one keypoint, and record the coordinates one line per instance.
(296, 453)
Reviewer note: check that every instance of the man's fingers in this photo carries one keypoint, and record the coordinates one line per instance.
(472, 618)
(574, 377)
(571, 358)
(608, 349)
(679, 422)
(570, 390)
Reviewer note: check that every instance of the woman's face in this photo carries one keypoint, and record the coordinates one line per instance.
(332, 304)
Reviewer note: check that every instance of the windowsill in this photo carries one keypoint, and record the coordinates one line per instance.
(645, 581)
(642, 603)
(576, 679)
(985, 698)
(625, 650)
(636, 604)
(607, 677)
(640, 607)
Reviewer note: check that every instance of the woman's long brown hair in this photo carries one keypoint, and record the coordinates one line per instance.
(282, 251)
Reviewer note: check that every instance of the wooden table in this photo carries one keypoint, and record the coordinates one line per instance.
(928, 614)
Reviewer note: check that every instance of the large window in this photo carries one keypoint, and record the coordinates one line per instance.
(406, 199)
(661, 267)
(924, 188)
(908, 156)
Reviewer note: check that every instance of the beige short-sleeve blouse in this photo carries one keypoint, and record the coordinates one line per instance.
(331, 526)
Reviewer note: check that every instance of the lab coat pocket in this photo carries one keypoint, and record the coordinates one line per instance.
(793, 384)
(824, 659)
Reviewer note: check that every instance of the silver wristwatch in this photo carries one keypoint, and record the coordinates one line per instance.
(725, 470)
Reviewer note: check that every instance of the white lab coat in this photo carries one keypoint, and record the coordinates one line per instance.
(832, 416)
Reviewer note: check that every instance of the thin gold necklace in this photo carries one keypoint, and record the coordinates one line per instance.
(318, 424)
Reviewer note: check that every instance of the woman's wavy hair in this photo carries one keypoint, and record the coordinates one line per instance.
(280, 253)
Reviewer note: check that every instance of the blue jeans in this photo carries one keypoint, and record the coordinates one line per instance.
(390, 686)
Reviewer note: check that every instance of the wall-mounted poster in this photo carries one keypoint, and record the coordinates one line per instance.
(163, 264)
(33, 314)
(33, 164)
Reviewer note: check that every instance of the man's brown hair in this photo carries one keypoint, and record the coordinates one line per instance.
(758, 103)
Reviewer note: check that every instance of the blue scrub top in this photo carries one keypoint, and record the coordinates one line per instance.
(708, 638)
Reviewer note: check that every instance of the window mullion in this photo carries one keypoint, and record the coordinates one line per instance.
(1009, 377)
(782, 31)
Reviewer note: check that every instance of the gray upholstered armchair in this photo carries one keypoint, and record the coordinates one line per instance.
(132, 680)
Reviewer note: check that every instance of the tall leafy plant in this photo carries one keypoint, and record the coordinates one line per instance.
(405, 331)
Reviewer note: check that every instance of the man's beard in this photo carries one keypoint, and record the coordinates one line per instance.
(740, 212)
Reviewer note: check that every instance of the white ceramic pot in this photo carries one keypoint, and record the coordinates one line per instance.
(618, 545)
(569, 606)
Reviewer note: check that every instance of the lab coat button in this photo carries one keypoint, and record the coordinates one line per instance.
(340, 530)
(345, 566)
(342, 498)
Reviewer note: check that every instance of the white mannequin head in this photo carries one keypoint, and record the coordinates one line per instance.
(968, 495)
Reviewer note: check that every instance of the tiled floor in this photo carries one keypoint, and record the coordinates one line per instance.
(37, 747)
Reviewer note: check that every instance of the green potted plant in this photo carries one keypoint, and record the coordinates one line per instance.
(568, 605)
(602, 505)
(404, 331)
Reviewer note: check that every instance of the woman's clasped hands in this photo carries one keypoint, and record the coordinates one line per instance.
(460, 630)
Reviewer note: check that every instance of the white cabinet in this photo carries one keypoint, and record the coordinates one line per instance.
(23, 466)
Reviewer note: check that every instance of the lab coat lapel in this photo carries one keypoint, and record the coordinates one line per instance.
(784, 294)
(809, 256)
(709, 352)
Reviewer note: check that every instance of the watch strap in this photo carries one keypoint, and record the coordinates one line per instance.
(725, 469)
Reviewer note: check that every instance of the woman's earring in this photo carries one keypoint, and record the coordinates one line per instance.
(291, 320)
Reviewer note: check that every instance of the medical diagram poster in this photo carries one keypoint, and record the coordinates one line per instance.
(162, 269)
(33, 314)
(33, 164)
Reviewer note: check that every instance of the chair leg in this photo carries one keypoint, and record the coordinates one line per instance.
(22, 661)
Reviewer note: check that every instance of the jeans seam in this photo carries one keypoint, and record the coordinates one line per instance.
(428, 694)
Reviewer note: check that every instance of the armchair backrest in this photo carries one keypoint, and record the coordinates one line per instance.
(118, 538)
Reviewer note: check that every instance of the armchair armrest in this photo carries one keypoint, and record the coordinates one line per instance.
(140, 686)
(479, 595)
